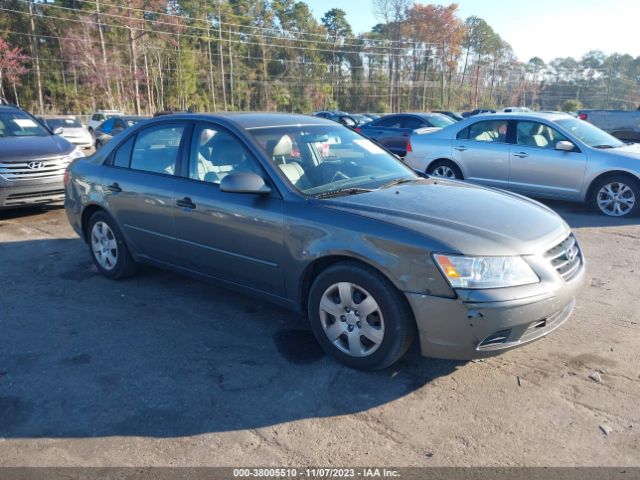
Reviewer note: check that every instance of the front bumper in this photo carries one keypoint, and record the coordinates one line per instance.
(480, 323)
(15, 195)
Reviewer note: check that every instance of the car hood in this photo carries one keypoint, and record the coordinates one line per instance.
(631, 150)
(20, 149)
(461, 218)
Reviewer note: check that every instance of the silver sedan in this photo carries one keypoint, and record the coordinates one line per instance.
(536, 154)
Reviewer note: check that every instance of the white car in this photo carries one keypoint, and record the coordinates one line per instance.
(72, 130)
(100, 116)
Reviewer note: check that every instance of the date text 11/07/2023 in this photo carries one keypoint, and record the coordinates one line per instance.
(315, 473)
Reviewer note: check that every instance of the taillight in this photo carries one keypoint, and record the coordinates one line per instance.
(358, 130)
(409, 147)
(66, 178)
(582, 116)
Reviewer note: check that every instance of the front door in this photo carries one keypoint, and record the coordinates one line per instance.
(235, 237)
(538, 169)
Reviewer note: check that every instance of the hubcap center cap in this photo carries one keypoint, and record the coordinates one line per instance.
(352, 319)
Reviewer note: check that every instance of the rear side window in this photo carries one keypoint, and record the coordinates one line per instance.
(156, 149)
(123, 153)
(413, 123)
(389, 122)
(489, 131)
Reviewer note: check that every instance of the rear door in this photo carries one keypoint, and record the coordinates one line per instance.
(384, 132)
(482, 150)
(236, 237)
(537, 168)
(139, 188)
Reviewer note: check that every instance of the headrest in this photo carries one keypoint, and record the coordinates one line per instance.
(283, 148)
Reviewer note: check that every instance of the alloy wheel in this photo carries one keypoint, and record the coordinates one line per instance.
(616, 199)
(443, 171)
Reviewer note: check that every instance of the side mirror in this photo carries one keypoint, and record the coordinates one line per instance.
(565, 146)
(57, 131)
(244, 183)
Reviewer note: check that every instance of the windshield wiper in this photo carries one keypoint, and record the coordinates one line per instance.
(344, 191)
(398, 181)
(603, 146)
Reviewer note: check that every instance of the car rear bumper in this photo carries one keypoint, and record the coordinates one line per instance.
(463, 330)
(14, 195)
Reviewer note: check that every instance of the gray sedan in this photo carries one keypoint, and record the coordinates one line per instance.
(542, 155)
(306, 213)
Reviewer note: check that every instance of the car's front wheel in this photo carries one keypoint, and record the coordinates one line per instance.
(617, 196)
(108, 248)
(359, 317)
(445, 169)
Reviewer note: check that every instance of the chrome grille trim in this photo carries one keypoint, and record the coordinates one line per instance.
(52, 167)
(557, 255)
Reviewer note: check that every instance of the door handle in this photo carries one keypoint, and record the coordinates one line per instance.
(186, 203)
(521, 155)
(114, 188)
(460, 149)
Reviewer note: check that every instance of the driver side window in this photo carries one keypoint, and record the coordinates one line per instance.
(216, 153)
(535, 134)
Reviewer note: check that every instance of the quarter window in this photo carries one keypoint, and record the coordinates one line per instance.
(123, 153)
(489, 131)
(216, 153)
(535, 134)
(156, 149)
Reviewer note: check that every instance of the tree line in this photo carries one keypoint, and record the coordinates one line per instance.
(144, 56)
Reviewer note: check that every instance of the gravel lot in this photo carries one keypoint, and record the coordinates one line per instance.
(164, 370)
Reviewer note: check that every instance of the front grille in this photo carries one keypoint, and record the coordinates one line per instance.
(44, 168)
(566, 257)
(34, 197)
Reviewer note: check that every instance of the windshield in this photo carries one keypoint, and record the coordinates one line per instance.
(19, 124)
(440, 120)
(63, 122)
(589, 134)
(320, 159)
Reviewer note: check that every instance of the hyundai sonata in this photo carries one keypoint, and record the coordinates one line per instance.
(306, 213)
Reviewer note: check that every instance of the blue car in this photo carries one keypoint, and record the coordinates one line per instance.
(393, 131)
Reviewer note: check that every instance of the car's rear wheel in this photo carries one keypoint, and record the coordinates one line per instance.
(108, 248)
(616, 196)
(359, 317)
(445, 169)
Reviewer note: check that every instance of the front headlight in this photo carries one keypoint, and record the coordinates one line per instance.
(76, 153)
(485, 272)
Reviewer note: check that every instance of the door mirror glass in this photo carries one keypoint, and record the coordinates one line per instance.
(245, 182)
(565, 146)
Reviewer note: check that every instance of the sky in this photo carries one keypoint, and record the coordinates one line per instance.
(544, 28)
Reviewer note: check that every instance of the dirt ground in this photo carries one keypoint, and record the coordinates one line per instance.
(163, 370)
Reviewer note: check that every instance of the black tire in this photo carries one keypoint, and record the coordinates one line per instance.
(399, 324)
(98, 145)
(124, 266)
(616, 179)
(446, 163)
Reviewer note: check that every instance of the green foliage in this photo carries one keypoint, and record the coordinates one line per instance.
(571, 105)
(274, 55)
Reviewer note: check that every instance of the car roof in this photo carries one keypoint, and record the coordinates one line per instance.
(251, 120)
(519, 116)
